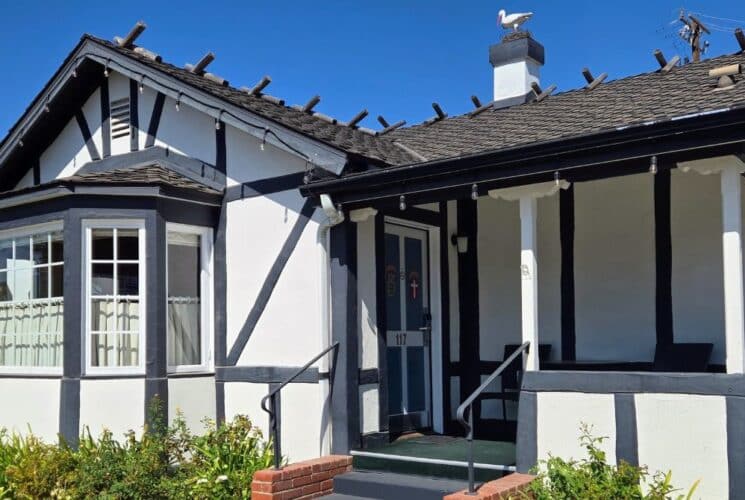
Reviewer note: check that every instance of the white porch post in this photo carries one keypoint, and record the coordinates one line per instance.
(529, 277)
(528, 196)
(730, 169)
(732, 259)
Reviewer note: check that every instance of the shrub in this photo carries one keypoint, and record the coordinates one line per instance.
(593, 478)
(163, 462)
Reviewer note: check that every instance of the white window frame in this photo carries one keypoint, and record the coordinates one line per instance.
(88, 225)
(20, 232)
(206, 300)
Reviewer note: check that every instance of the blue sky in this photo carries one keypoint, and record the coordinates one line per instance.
(393, 57)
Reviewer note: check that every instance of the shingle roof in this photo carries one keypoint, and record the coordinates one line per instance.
(616, 104)
(147, 174)
(339, 136)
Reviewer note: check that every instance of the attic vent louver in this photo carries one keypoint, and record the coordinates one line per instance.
(120, 118)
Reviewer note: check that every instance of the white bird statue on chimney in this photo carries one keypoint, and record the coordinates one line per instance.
(513, 20)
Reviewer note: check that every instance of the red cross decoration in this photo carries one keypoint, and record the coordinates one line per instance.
(414, 283)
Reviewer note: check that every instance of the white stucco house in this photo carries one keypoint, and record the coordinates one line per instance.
(164, 233)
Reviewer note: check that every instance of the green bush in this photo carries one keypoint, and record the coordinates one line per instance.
(164, 462)
(593, 478)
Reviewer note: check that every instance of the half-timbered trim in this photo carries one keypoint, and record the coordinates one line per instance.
(152, 128)
(105, 103)
(134, 116)
(85, 131)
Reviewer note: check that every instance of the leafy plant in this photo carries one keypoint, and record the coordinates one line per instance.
(163, 462)
(593, 478)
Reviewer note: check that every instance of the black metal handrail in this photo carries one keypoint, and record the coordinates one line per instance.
(274, 422)
(468, 404)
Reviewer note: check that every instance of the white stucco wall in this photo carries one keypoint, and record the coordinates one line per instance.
(697, 280)
(27, 180)
(369, 408)
(194, 397)
(688, 435)
(245, 399)
(187, 131)
(614, 268)
(301, 421)
(31, 403)
(559, 419)
(114, 404)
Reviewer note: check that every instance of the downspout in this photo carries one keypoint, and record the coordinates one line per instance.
(334, 217)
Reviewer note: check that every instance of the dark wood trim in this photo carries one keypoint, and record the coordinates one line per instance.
(369, 376)
(445, 248)
(134, 116)
(152, 128)
(263, 187)
(221, 158)
(36, 166)
(380, 312)
(663, 257)
(105, 118)
(85, 131)
(468, 292)
(265, 374)
(566, 232)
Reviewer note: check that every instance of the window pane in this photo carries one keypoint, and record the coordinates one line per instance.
(129, 279)
(103, 279)
(57, 247)
(23, 252)
(103, 244)
(4, 290)
(58, 273)
(184, 299)
(103, 348)
(128, 315)
(6, 253)
(41, 282)
(127, 244)
(41, 249)
(102, 315)
(20, 284)
(129, 349)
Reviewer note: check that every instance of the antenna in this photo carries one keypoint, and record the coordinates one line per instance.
(691, 32)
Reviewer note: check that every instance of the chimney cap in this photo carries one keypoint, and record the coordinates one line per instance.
(516, 49)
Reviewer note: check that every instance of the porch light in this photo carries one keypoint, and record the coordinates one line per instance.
(653, 165)
(460, 241)
(474, 192)
(402, 203)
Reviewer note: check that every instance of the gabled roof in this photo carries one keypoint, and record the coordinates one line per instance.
(348, 139)
(645, 98)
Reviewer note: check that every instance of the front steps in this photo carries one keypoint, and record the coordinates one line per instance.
(392, 486)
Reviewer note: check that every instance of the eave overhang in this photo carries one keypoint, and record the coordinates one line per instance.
(58, 92)
(612, 152)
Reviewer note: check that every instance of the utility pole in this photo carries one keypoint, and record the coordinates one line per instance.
(691, 32)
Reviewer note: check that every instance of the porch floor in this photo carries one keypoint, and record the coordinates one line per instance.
(439, 447)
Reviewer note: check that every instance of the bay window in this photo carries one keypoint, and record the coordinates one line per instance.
(31, 299)
(115, 296)
(189, 257)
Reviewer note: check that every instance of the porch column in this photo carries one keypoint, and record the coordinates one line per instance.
(730, 168)
(529, 277)
(528, 198)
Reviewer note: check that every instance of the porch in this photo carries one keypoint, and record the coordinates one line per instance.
(629, 274)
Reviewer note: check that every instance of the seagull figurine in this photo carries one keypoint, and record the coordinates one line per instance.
(513, 20)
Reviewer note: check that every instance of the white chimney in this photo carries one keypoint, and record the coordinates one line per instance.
(517, 62)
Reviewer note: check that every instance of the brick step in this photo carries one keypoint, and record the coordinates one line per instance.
(388, 485)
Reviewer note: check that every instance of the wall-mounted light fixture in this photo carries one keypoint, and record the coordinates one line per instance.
(460, 241)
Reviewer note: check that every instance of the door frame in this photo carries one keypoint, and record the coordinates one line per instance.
(435, 303)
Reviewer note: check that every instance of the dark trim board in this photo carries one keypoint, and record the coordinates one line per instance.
(219, 402)
(736, 446)
(369, 376)
(221, 286)
(264, 187)
(156, 417)
(345, 396)
(445, 248)
(627, 445)
(134, 117)
(705, 384)
(414, 214)
(566, 235)
(105, 118)
(221, 148)
(69, 411)
(265, 374)
(152, 128)
(527, 428)
(270, 282)
(85, 131)
(663, 257)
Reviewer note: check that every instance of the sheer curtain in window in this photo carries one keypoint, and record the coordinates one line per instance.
(184, 299)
